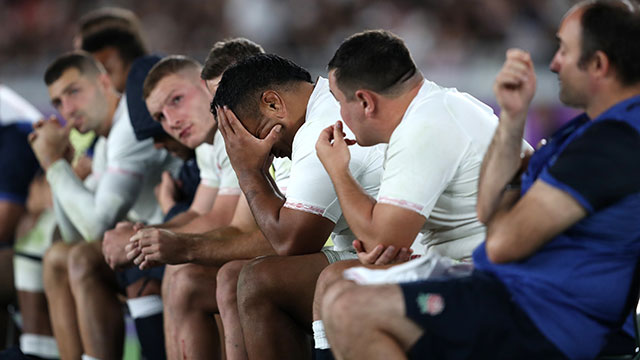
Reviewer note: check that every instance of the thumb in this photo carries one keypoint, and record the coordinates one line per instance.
(68, 126)
(337, 132)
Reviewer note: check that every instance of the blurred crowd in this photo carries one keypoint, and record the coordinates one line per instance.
(459, 42)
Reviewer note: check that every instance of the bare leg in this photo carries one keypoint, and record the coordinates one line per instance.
(275, 297)
(62, 308)
(368, 322)
(226, 294)
(7, 290)
(99, 311)
(329, 275)
(190, 305)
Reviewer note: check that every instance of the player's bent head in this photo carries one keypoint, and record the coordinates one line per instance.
(375, 60)
(79, 60)
(610, 26)
(243, 85)
(170, 65)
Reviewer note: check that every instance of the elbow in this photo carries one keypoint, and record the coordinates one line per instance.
(482, 212)
(497, 252)
(288, 247)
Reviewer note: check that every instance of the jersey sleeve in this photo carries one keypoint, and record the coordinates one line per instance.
(228, 180)
(600, 167)
(422, 158)
(205, 159)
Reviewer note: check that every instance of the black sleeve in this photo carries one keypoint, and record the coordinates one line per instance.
(602, 164)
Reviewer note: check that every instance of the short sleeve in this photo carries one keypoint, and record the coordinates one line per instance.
(599, 167)
(422, 158)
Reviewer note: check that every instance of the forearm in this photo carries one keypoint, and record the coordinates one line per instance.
(501, 163)
(179, 220)
(265, 204)
(226, 244)
(76, 203)
(357, 207)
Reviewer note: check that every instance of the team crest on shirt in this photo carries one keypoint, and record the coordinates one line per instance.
(431, 304)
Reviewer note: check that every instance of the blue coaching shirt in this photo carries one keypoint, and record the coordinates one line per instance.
(18, 164)
(574, 287)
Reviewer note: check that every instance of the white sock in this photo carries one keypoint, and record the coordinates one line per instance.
(87, 357)
(319, 337)
(145, 306)
(39, 345)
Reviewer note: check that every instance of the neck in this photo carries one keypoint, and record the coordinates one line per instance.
(298, 105)
(113, 99)
(609, 98)
(393, 111)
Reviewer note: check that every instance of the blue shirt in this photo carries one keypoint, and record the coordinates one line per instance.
(574, 287)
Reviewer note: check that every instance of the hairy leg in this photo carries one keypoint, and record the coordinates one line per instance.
(275, 297)
(99, 311)
(227, 297)
(368, 322)
(190, 306)
(62, 308)
(329, 275)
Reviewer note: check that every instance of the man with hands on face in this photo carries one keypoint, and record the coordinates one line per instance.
(563, 239)
(79, 285)
(437, 138)
(280, 112)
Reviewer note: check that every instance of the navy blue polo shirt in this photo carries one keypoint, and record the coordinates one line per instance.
(574, 287)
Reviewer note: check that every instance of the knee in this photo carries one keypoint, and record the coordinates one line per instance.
(183, 288)
(338, 302)
(54, 263)
(255, 283)
(328, 276)
(84, 263)
(227, 283)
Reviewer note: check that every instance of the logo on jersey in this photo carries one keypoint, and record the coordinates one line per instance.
(431, 304)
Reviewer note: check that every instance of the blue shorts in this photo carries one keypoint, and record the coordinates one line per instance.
(130, 275)
(472, 317)
(18, 164)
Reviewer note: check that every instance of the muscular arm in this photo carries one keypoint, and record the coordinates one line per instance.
(290, 232)
(517, 231)
(375, 223)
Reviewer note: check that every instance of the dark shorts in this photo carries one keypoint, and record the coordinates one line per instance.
(472, 317)
(133, 274)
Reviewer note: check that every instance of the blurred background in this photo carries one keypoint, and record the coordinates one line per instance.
(457, 43)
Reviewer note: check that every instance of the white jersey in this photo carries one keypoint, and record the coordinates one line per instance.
(121, 185)
(15, 109)
(215, 168)
(433, 163)
(310, 188)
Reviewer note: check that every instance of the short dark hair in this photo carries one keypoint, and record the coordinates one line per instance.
(243, 82)
(107, 17)
(226, 53)
(127, 42)
(79, 60)
(612, 27)
(168, 66)
(375, 60)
